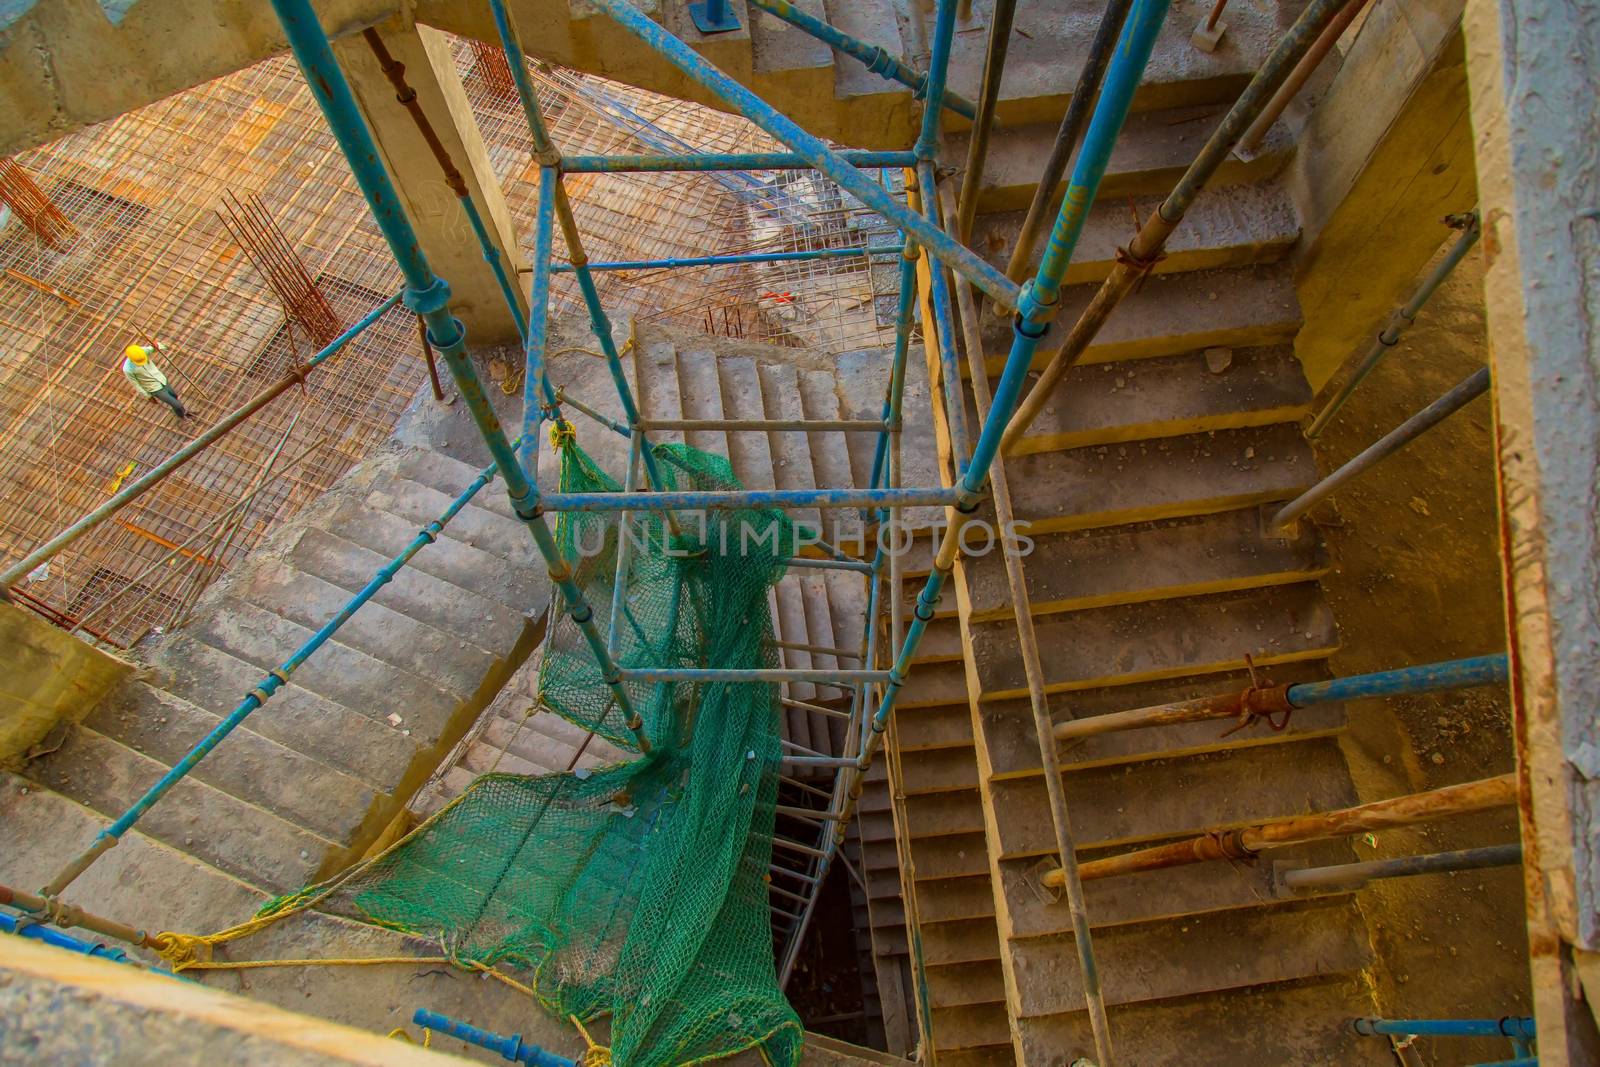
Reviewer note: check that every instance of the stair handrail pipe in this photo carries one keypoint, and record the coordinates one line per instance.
(428, 295)
(1243, 844)
(1402, 318)
(275, 680)
(159, 473)
(1251, 140)
(1145, 250)
(875, 58)
(1356, 875)
(954, 255)
(1520, 1030)
(1459, 396)
(1262, 702)
(1084, 94)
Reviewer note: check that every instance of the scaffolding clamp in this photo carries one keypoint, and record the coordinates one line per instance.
(1260, 702)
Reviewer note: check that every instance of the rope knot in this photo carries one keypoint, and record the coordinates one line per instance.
(562, 433)
(181, 950)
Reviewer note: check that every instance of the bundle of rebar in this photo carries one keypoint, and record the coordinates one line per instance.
(33, 207)
(270, 251)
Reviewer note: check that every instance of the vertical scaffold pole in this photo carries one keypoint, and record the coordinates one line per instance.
(429, 296)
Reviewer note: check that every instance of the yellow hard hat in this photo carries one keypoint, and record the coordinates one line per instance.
(135, 353)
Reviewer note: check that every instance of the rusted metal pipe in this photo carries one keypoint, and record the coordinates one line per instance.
(1299, 76)
(994, 65)
(1146, 249)
(1245, 843)
(66, 916)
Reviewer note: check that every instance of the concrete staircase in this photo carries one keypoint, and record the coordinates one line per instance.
(1149, 581)
(65, 66)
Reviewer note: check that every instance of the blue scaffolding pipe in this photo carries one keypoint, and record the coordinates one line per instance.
(858, 566)
(767, 425)
(36, 930)
(1425, 678)
(735, 161)
(957, 256)
(724, 499)
(874, 58)
(275, 680)
(944, 33)
(955, 405)
(428, 296)
(746, 257)
(1512, 1026)
(895, 392)
(511, 1048)
(821, 675)
(538, 396)
(568, 400)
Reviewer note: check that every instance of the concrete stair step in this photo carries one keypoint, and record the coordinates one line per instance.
(780, 49)
(246, 841)
(451, 477)
(355, 740)
(1169, 396)
(1112, 485)
(876, 103)
(1050, 45)
(1151, 154)
(1170, 314)
(533, 739)
(521, 588)
(1134, 643)
(1229, 788)
(337, 672)
(292, 785)
(1225, 951)
(485, 623)
(863, 378)
(700, 391)
(1189, 556)
(1227, 1025)
(482, 758)
(973, 1034)
(478, 527)
(791, 449)
(381, 632)
(1235, 227)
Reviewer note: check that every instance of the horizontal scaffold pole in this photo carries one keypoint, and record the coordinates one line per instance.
(1241, 844)
(723, 499)
(1356, 875)
(875, 58)
(1462, 394)
(808, 425)
(159, 473)
(1253, 703)
(713, 161)
(275, 680)
(744, 257)
(750, 674)
(1513, 1026)
(956, 256)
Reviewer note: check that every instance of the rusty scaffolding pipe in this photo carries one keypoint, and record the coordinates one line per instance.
(1245, 843)
(1146, 248)
(1299, 76)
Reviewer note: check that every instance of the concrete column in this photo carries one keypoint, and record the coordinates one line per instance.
(1384, 157)
(442, 227)
(1533, 66)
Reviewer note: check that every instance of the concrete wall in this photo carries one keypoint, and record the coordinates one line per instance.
(1384, 157)
(47, 676)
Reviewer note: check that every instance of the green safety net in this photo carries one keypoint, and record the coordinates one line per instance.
(636, 890)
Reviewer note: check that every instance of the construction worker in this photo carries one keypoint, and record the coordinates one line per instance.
(148, 379)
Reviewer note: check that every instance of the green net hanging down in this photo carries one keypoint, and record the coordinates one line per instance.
(637, 890)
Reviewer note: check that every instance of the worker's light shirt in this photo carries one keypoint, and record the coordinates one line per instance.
(147, 379)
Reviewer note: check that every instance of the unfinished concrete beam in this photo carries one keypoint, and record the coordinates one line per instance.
(442, 227)
(1532, 68)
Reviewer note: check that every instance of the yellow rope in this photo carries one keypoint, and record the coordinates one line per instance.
(353, 961)
(399, 1034)
(562, 433)
(595, 1055)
